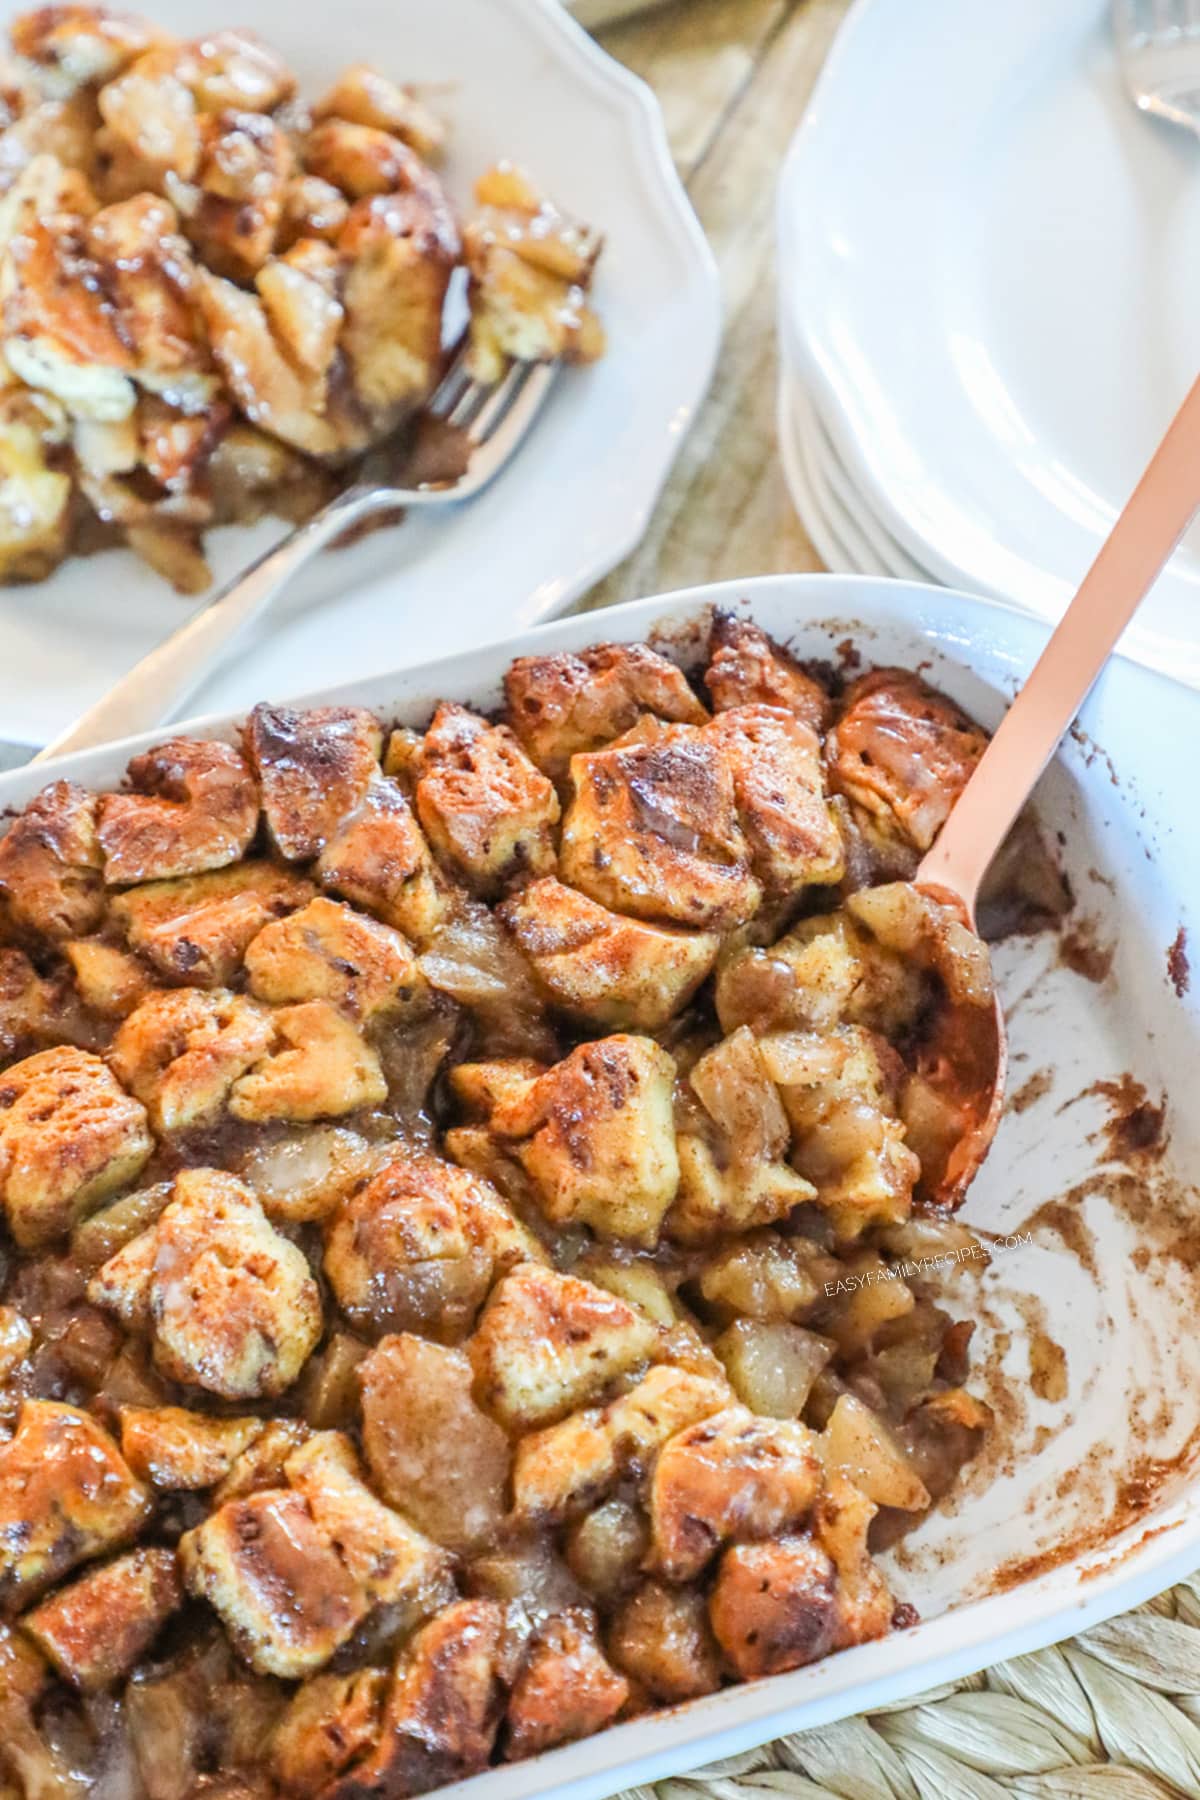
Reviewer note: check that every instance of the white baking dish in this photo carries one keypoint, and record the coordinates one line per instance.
(1122, 796)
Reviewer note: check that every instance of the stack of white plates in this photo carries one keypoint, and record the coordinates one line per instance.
(989, 304)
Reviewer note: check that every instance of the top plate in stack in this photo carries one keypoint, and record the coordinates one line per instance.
(989, 267)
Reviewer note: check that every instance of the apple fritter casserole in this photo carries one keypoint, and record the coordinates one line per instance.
(214, 298)
(461, 1194)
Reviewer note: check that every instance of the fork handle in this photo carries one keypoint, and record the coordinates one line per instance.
(157, 686)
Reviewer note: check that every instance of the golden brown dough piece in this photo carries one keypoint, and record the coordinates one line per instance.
(902, 753)
(97, 1629)
(194, 806)
(747, 668)
(314, 768)
(561, 705)
(566, 1688)
(487, 811)
(69, 1137)
(51, 863)
(652, 829)
(66, 1496)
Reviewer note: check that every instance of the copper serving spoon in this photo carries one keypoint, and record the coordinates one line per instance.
(1156, 516)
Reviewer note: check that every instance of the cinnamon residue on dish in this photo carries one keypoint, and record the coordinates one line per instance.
(1179, 967)
(1079, 950)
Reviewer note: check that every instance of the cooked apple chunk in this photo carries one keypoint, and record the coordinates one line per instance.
(314, 768)
(181, 1052)
(827, 971)
(327, 951)
(196, 929)
(622, 973)
(69, 1136)
(562, 705)
(193, 806)
(97, 1629)
(596, 1136)
(747, 668)
(108, 980)
(433, 1454)
(418, 1247)
(230, 1302)
(652, 829)
(51, 863)
(487, 811)
(661, 1638)
(902, 753)
(66, 1496)
(293, 1571)
(548, 1343)
(731, 1477)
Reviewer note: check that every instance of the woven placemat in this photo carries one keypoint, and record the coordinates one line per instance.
(1113, 1714)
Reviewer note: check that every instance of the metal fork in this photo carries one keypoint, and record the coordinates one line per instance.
(1158, 48)
(494, 418)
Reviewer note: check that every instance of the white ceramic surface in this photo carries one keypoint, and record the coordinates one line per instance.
(515, 78)
(1121, 1303)
(989, 263)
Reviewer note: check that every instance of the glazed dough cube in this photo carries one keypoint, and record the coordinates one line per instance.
(193, 806)
(747, 668)
(107, 979)
(315, 768)
(98, 1628)
(902, 753)
(487, 811)
(661, 1638)
(365, 97)
(32, 1010)
(652, 830)
(292, 1572)
(566, 1688)
(196, 930)
(66, 1496)
(432, 1452)
(774, 1606)
(69, 1137)
(840, 1525)
(596, 1135)
(177, 1450)
(331, 1722)
(327, 951)
(440, 1722)
(733, 1476)
(623, 974)
(571, 1465)
(378, 858)
(181, 1052)
(561, 705)
(779, 787)
(51, 864)
(419, 1246)
(230, 1302)
(548, 1343)
(318, 1067)
(263, 1463)
(80, 46)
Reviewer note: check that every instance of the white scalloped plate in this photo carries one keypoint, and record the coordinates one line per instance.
(517, 78)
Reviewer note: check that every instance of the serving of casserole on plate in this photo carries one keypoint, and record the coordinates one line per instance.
(251, 347)
(466, 1281)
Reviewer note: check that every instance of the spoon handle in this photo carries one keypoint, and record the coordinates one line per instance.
(1156, 516)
